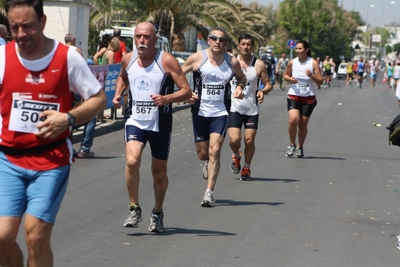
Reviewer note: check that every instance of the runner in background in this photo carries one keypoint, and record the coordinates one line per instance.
(245, 112)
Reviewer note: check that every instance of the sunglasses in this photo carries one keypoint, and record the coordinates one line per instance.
(215, 38)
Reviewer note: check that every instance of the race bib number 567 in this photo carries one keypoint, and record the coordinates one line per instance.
(25, 114)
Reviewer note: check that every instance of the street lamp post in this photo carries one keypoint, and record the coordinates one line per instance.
(381, 27)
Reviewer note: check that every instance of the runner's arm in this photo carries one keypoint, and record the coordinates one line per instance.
(172, 67)
(122, 80)
(316, 76)
(240, 77)
(288, 73)
(261, 71)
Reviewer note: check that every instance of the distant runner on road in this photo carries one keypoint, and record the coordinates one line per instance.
(302, 72)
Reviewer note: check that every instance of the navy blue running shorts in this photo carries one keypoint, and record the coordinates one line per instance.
(160, 142)
(203, 126)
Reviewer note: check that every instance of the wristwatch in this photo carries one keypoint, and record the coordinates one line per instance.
(241, 86)
(71, 119)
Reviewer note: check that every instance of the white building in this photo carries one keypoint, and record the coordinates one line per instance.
(68, 16)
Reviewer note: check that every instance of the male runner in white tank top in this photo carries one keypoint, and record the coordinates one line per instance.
(212, 70)
(150, 75)
(245, 111)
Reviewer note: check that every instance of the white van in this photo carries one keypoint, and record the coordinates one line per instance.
(127, 37)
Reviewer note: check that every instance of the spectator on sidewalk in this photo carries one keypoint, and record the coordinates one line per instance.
(103, 44)
(70, 40)
(3, 34)
(122, 47)
(88, 135)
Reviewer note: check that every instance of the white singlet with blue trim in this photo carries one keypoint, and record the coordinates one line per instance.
(144, 82)
(212, 83)
(305, 85)
(248, 105)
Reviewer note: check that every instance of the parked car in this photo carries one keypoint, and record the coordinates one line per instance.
(342, 71)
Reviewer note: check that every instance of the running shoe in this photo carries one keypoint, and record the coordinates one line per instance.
(85, 154)
(290, 150)
(134, 217)
(300, 152)
(235, 166)
(156, 222)
(245, 175)
(398, 242)
(205, 170)
(208, 200)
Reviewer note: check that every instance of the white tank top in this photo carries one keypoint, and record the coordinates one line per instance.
(397, 72)
(305, 85)
(212, 87)
(144, 82)
(248, 105)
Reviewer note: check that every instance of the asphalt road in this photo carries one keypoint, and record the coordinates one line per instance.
(338, 206)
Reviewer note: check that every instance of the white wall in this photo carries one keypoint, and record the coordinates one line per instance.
(62, 18)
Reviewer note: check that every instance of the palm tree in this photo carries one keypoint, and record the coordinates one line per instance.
(3, 15)
(101, 13)
(175, 17)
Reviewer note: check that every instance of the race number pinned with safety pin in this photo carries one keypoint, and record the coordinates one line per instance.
(25, 114)
(144, 110)
(213, 92)
(303, 88)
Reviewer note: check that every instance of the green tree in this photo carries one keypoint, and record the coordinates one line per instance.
(174, 17)
(389, 49)
(3, 18)
(325, 26)
(357, 17)
(101, 13)
(396, 48)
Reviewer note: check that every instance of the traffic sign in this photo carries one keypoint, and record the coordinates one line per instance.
(291, 44)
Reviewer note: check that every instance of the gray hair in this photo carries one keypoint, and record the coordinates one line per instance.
(69, 38)
(221, 29)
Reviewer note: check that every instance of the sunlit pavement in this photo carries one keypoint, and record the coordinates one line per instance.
(337, 206)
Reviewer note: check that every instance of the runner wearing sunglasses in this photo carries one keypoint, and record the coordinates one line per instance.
(212, 68)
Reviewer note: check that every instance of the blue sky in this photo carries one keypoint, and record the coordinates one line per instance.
(375, 12)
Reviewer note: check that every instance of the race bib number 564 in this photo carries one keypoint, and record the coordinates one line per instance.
(25, 114)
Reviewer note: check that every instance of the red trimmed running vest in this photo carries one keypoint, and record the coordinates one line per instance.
(48, 85)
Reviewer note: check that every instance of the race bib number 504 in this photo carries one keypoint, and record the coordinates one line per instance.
(25, 114)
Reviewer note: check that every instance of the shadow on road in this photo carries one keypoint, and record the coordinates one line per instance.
(229, 202)
(271, 180)
(332, 158)
(177, 231)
